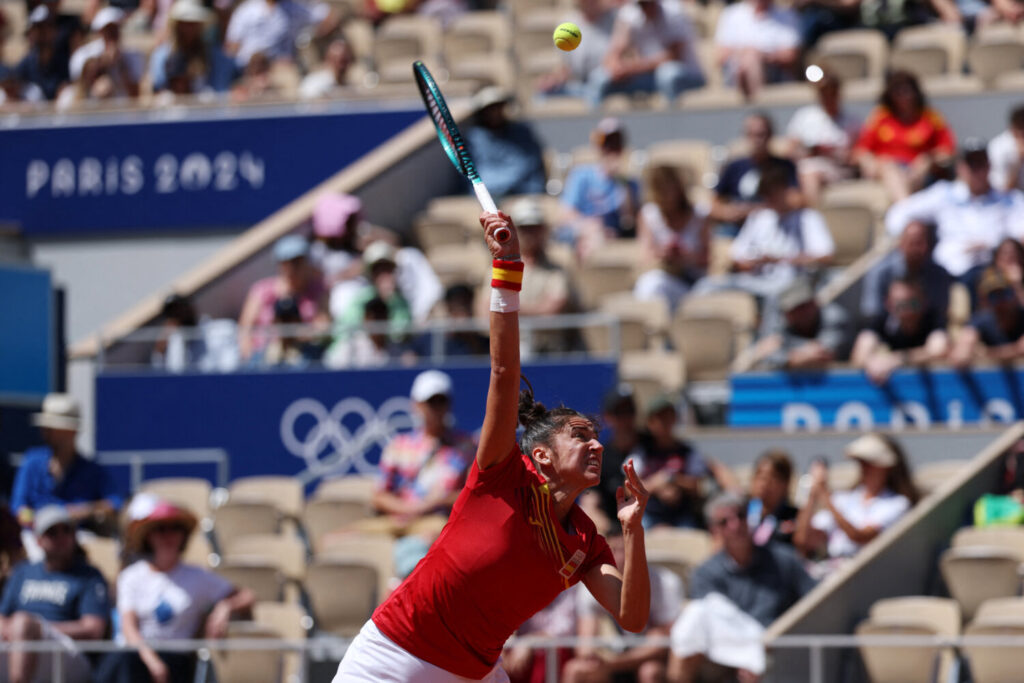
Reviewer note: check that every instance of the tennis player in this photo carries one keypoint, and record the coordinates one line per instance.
(515, 538)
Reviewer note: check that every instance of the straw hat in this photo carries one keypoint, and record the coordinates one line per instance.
(60, 411)
(147, 511)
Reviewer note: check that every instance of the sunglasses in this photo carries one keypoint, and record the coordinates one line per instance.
(167, 528)
(58, 530)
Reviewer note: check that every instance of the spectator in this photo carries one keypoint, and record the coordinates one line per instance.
(837, 525)
(446, 11)
(822, 137)
(818, 17)
(296, 278)
(675, 235)
(998, 326)
(911, 260)
(45, 66)
(291, 348)
(890, 18)
(333, 76)
(60, 599)
(1008, 261)
(971, 217)
(458, 303)
(255, 82)
(623, 443)
(770, 515)
(1006, 154)
(652, 49)
(904, 143)
(369, 346)
(159, 597)
(558, 620)
(13, 91)
(270, 27)
(506, 152)
(600, 200)
(777, 242)
(734, 596)
(189, 54)
(179, 346)
(336, 222)
(573, 76)
(736, 194)
(907, 334)
(643, 663)
(122, 68)
(675, 474)
(757, 42)
(381, 281)
(57, 474)
(807, 336)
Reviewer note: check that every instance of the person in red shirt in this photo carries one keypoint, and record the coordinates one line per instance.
(904, 141)
(515, 538)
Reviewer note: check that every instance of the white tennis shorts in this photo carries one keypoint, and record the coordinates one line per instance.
(373, 658)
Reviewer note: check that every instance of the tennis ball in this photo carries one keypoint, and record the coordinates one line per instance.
(567, 37)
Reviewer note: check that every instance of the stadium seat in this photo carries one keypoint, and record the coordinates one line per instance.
(1010, 538)
(550, 206)
(959, 306)
(431, 232)
(284, 493)
(476, 35)
(533, 33)
(692, 157)
(286, 553)
(707, 345)
(999, 609)
(482, 70)
(678, 550)
(866, 193)
(941, 614)
(975, 574)
(852, 229)
(199, 551)
(651, 373)
(359, 34)
(989, 60)
(786, 95)
(343, 612)
(739, 307)
(853, 54)
(603, 277)
(348, 487)
(236, 519)
(887, 664)
(929, 50)
(459, 263)
(249, 666)
(403, 39)
(192, 493)
(462, 209)
(643, 323)
(931, 476)
(292, 623)
(105, 555)
(377, 548)
(264, 579)
(711, 97)
(329, 514)
(995, 664)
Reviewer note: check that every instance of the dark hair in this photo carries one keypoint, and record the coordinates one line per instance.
(1018, 249)
(912, 283)
(286, 310)
(459, 293)
(766, 117)
(539, 423)
(376, 309)
(180, 309)
(779, 462)
(664, 178)
(1017, 118)
(773, 177)
(898, 79)
(899, 479)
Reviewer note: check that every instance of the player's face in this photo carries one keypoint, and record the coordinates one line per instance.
(577, 452)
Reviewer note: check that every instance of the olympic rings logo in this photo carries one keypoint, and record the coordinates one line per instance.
(344, 435)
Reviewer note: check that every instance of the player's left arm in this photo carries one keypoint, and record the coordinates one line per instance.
(626, 595)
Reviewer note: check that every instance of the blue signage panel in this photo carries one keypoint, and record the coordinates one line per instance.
(912, 399)
(177, 174)
(307, 424)
(26, 334)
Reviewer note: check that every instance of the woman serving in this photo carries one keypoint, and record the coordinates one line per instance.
(515, 538)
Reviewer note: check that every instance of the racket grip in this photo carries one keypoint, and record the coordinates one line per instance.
(487, 202)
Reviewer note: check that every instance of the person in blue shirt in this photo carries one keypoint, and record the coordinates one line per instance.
(61, 598)
(57, 474)
(506, 153)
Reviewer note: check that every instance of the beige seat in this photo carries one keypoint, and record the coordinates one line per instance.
(597, 281)
(693, 157)
(375, 548)
(959, 305)
(199, 551)
(292, 623)
(461, 209)
(550, 206)
(261, 577)
(285, 493)
(640, 322)
(941, 614)
(192, 493)
(853, 54)
(286, 553)
(991, 664)
(431, 233)
(360, 35)
(975, 574)
(706, 344)
(929, 50)
(1010, 538)
(343, 612)
(488, 69)
(403, 39)
(349, 487)
(235, 519)
(678, 550)
(852, 229)
(329, 514)
(857, 193)
(459, 263)
(105, 555)
(664, 367)
(533, 37)
(999, 609)
(739, 307)
(249, 666)
(476, 34)
(989, 60)
(898, 664)
(932, 476)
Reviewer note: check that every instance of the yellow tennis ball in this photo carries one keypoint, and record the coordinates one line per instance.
(568, 36)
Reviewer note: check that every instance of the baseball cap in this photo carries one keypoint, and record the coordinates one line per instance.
(379, 251)
(660, 403)
(798, 292)
(489, 96)
(872, 449)
(429, 384)
(107, 16)
(618, 398)
(190, 11)
(49, 517)
(290, 247)
(974, 151)
(332, 213)
(606, 128)
(527, 212)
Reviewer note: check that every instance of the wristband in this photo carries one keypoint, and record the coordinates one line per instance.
(504, 300)
(507, 275)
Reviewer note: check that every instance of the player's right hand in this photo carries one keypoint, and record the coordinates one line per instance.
(500, 250)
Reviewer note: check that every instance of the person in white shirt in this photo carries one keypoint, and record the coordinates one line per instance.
(338, 60)
(123, 67)
(757, 43)
(270, 27)
(652, 49)
(837, 525)
(971, 216)
(821, 136)
(1006, 154)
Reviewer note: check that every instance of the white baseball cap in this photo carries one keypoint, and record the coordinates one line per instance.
(429, 384)
(105, 17)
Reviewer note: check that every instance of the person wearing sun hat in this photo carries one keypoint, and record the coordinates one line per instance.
(207, 67)
(836, 525)
(159, 597)
(124, 67)
(58, 474)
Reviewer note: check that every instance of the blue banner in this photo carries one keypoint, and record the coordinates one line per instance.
(911, 399)
(228, 172)
(307, 424)
(27, 334)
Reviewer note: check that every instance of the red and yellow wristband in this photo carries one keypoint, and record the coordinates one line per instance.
(507, 275)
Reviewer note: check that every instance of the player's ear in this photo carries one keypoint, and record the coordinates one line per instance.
(541, 455)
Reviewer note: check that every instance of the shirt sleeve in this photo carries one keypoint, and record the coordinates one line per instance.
(95, 599)
(817, 237)
(702, 582)
(127, 590)
(725, 33)
(742, 248)
(573, 193)
(891, 513)
(666, 596)
(215, 587)
(923, 206)
(19, 492)
(1016, 222)
(9, 600)
(236, 26)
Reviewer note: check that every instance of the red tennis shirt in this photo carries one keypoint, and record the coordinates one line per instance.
(501, 558)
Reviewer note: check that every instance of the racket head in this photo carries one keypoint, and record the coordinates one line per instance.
(447, 131)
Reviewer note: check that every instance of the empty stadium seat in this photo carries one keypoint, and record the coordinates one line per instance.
(291, 622)
(641, 322)
(284, 493)
(476, 35)
(857, 193)
(678, 550)
(941, 614)
(199, 551)
(105, 555)
(329, 514)
(651, 373)
(995, 664)
(739, 307)
(706, 344)
(983, 564)
(852, 229)
(931, 476)
(853, 54)
(342, 612)
(929, 50)
(261, 577)
(286, 553)
(349, 487)
(236, 519)
(989, 60)
(459, 263)
(603, 276)
(786, 95)
(691, 157)
(999, 609)
(431, 233)
(192, 493)
(403, 39)
(249, 666)
(377, 548)
(886, 664)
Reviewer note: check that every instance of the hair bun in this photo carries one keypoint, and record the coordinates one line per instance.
(530, 411)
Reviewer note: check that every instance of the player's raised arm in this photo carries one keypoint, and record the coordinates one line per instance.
(498, 434)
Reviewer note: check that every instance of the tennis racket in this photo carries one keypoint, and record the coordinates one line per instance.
(452, 141)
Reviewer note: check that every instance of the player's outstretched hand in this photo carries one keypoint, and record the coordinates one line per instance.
(492, 222)
(631, 499)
